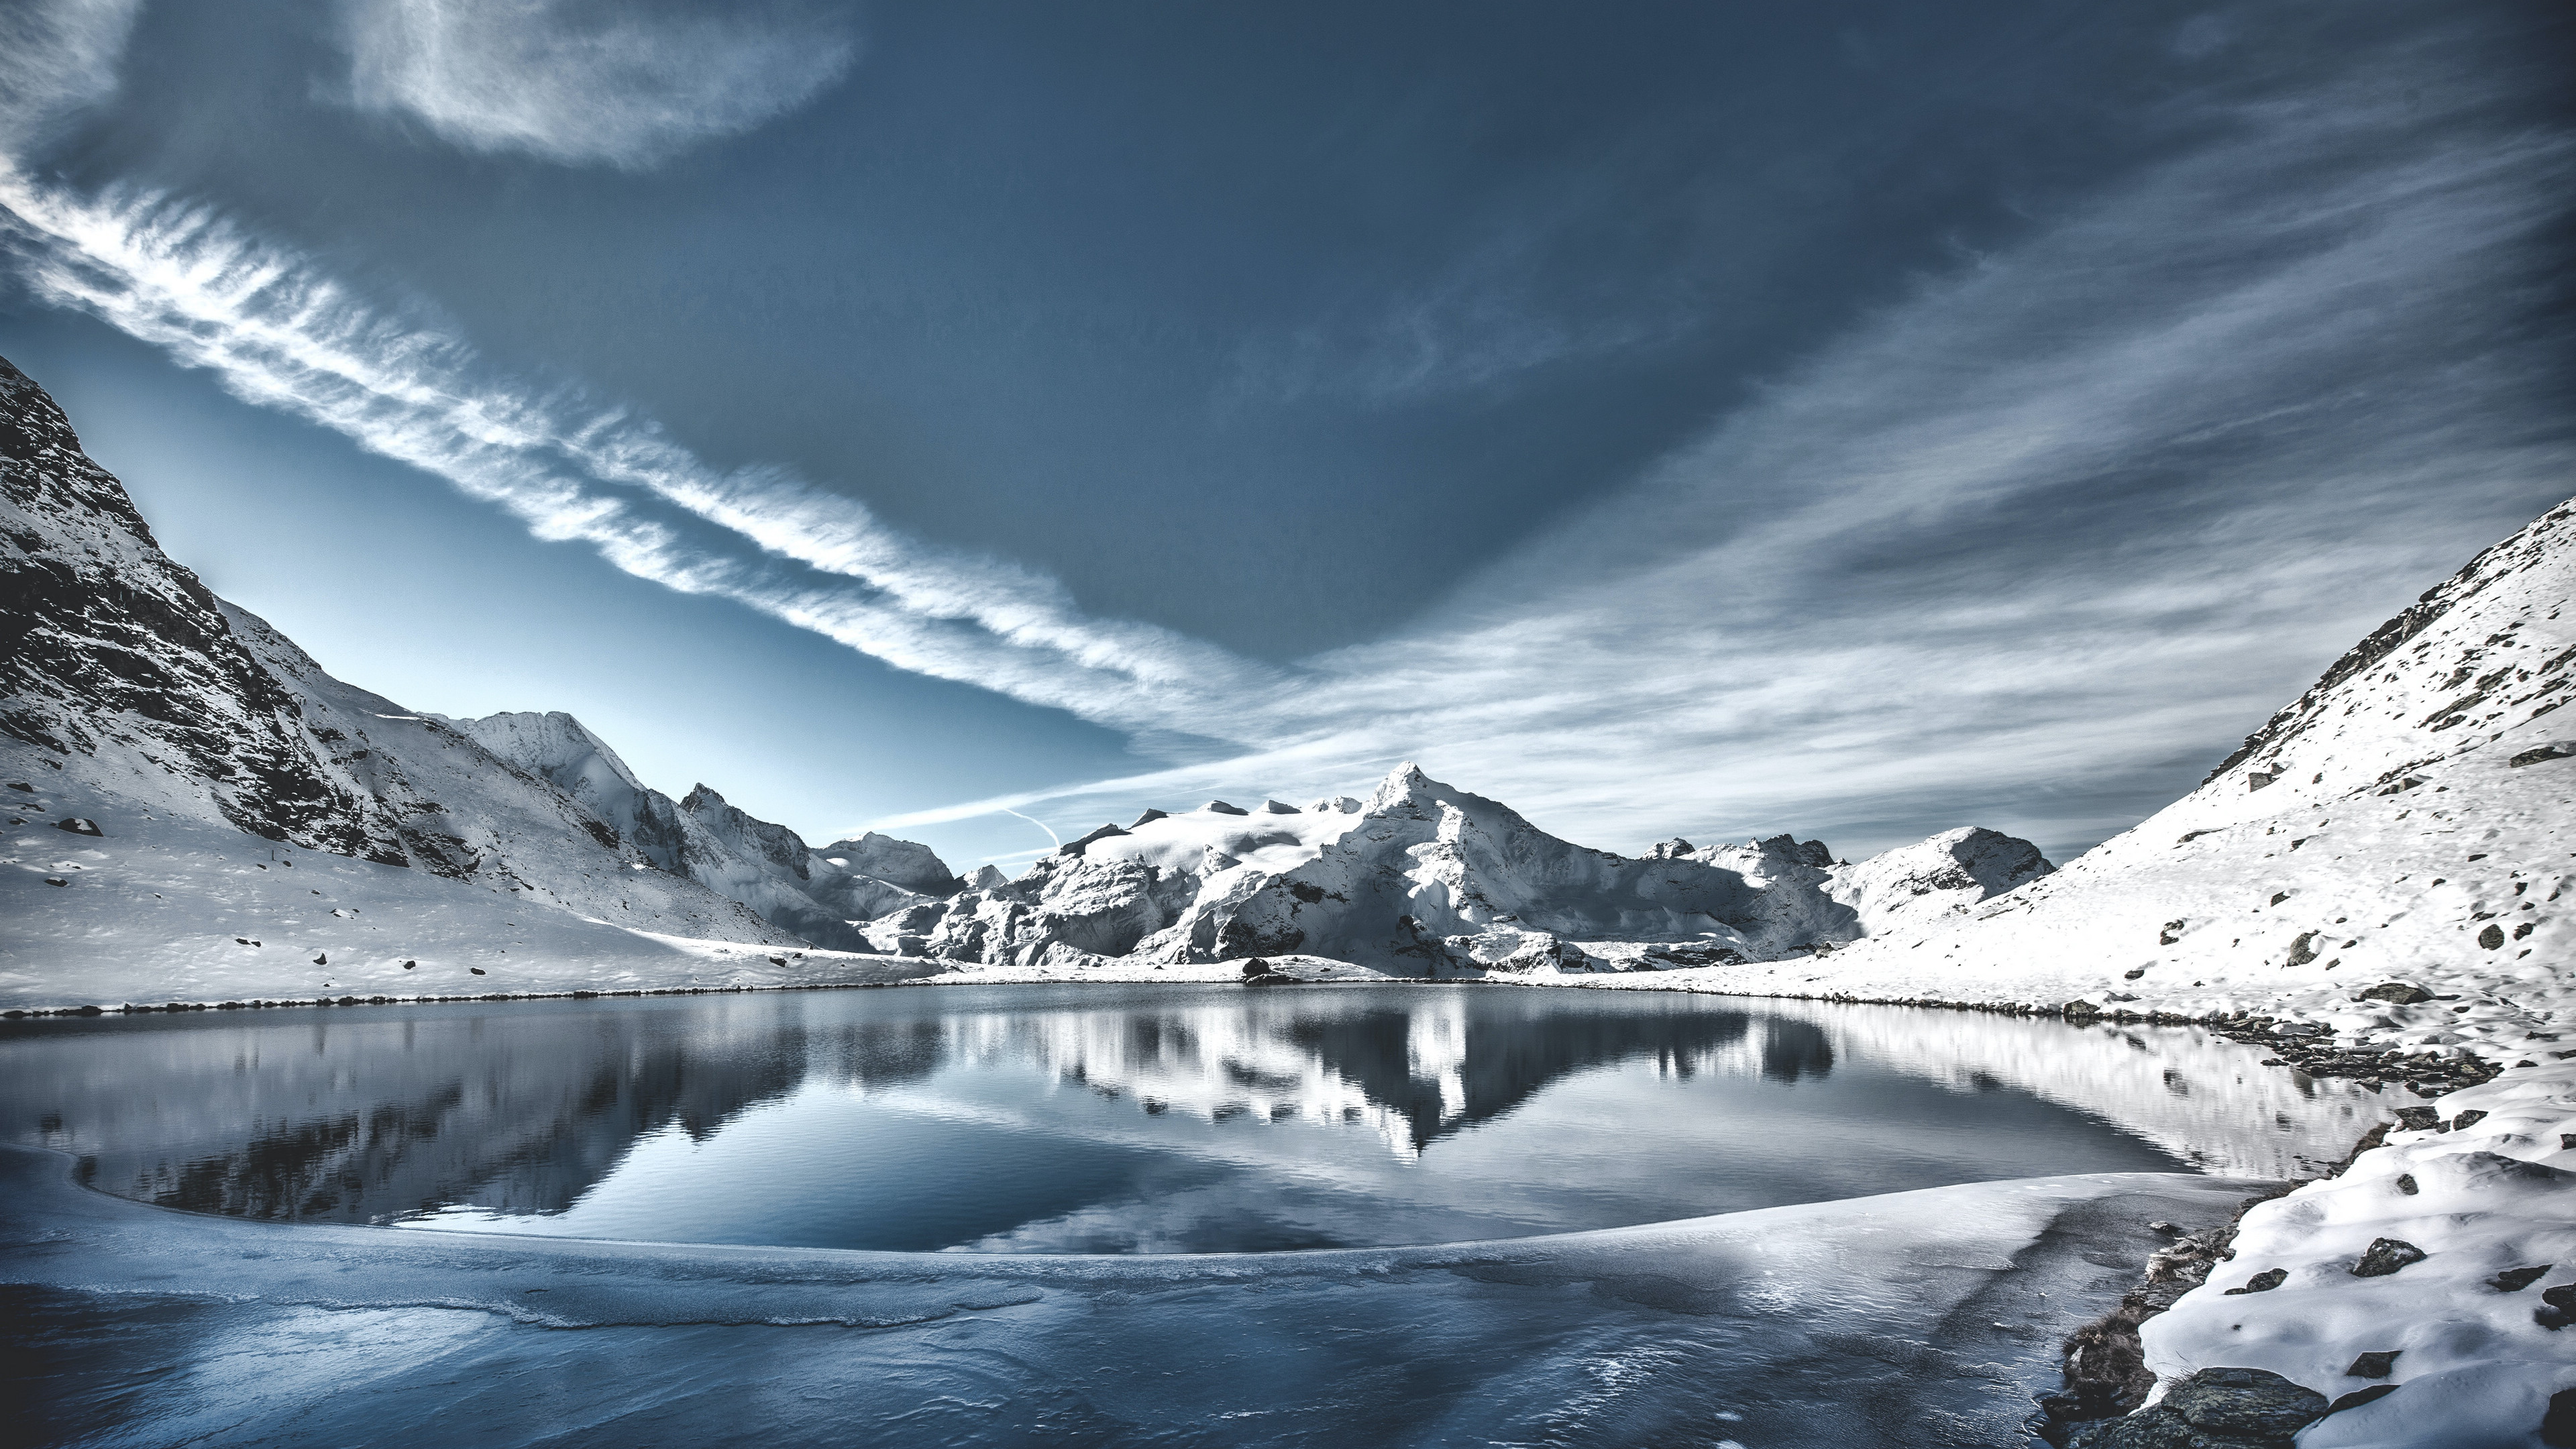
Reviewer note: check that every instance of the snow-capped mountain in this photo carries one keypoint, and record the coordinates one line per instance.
(183, 728)
(1426, 879)
(766, 867)
(2405, 821)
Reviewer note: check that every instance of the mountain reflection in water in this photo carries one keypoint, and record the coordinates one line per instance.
(1109, 1118)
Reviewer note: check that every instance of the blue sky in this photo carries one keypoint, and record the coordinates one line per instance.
(1858, 420)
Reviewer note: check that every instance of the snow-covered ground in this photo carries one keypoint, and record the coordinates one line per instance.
(2473, 1349)
(162, 909)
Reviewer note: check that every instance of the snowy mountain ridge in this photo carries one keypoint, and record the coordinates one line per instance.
(1426, 879)
(2404, 823)
(767, 867)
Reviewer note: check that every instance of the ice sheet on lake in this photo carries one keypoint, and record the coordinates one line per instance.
(1915, 1318)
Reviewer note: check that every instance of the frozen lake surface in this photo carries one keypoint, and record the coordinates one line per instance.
(1123, 1119)
(1086, 1131)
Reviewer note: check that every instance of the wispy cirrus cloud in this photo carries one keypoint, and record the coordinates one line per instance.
(63, 55)
(583, 82)
(2022, 549)
(2031, 547)
(281, 334)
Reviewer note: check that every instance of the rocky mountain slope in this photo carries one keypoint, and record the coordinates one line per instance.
(1426, 879)
(2389, 859)
(766, 867)
(172, 725)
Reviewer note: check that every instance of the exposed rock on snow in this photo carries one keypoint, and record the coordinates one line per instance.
(2219, 1408)
(107, 647)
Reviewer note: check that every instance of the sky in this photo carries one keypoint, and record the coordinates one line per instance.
(980, 420)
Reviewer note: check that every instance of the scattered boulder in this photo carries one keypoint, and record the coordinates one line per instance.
(2359, 1397)
(2514, 1280)
(2558, 1423)
(2554, 750)
(2385, 1256)
(2374, 1365)
(477, 970)
(2263, 1282)
(2558, 1307)
(1258, 972)
(2417, 1119)
(2491, 938)
(2248, 1403)
(55, 880)
(78, 825)
(2397, 993)
(2216, 1408)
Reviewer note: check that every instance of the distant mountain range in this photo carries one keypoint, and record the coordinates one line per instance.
(131, 692)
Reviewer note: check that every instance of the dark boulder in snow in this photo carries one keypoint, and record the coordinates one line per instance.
(2216, 1408)
(79, 826)
(2385, 1256)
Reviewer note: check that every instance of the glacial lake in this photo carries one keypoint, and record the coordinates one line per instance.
(1113, 1119)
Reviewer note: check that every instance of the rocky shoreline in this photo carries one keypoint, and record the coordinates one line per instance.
(2401, 1281)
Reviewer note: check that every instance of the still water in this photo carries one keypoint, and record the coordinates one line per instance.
(1099, 1119)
